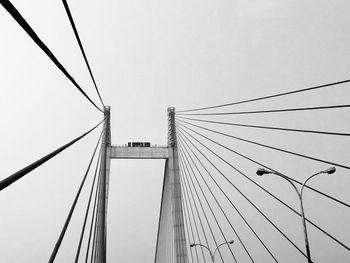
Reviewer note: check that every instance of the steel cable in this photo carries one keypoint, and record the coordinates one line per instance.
(265, 166)
(217, 202)
(81, 47)
(188, 219)
(23, 23)
(65, 226)
(87, 209)
(268, 146)
(266, 217)
(265, 127)
(19, 174)
(237, 210)
(93, 220)
(187, 164)
(269, 96)
(266, 111)
(187, 193)
(266, 191)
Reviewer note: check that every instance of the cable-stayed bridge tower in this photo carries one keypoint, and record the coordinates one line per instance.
(171, 238)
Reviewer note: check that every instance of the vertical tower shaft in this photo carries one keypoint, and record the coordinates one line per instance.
(100, 239)
(179, 237)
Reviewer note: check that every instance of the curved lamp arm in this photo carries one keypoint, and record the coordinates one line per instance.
(197, 244)
(328, 171)
(224, 243)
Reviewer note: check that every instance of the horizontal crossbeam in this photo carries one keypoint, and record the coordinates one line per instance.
(153, 152)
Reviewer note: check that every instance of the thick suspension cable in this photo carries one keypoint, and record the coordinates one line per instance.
(81, 47)
(23, 23)
(69, 216)
(241, 193)
(187, 164)
(267, 111)
(269, 147)
(87, 209)
(230, 201)
(265, 127)
(265, 166)
(270, 96)
(19, 174)
(212, 194)
(265, 190)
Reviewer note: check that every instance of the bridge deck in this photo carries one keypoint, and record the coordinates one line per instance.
(153, 152)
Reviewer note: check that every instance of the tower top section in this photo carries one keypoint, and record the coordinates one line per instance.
(107, 113)
(171, 127)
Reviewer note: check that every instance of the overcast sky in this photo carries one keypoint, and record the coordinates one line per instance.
(147, 56)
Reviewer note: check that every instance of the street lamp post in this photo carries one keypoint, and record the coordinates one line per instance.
(212, 255)
(299, 191)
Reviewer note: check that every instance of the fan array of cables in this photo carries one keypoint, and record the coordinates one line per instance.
(222, 193)
(93, 246)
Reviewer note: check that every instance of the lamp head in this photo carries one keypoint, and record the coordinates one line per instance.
(262, 171)
(192, 245)
(330, 170)
(231, 242)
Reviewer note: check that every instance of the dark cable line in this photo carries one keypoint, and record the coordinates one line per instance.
(188, 204)
(266, 127)
(187, 164)
(81, 46)
(233, 205)
(93, 250)
(266, 217)
(23, 23)
(265, 166)
(268, 111)
(217, 202)
(19, 174)
(87, 208)
(188, 226)
(189, 223)
(202, 209)
(187, 193)
(65, 226)
(93, 220)
(270, 96)
(97, 246)
(269, 147)
(209, 206)
(266, 191)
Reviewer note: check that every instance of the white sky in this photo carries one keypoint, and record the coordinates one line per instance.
(147, 56)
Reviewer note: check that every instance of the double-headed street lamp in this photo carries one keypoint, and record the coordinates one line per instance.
(299, 191)
(212, 255)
